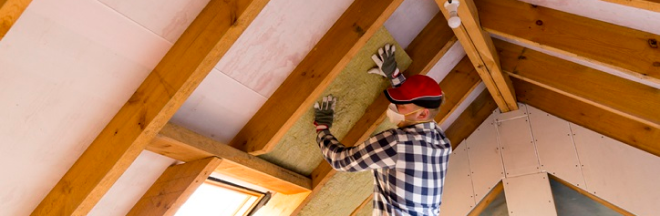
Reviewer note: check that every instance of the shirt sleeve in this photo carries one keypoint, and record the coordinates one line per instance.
(398, 80)
(377, 152)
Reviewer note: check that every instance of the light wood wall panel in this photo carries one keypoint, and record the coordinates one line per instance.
(529, 195)
(554, 143)
(458, 196)
(485, 158)
(620, 174)
(518, 150)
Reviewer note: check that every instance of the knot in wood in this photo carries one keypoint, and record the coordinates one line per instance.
(539, 22)
(653, 43)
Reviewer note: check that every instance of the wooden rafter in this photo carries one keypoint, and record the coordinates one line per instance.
(10, 11)
(425, 51)
(457, 86)
(628, 50)
(487, 200)
(165, 89)
(592, 197)
(479, 48)
(182, 144)
(476, 113)
(311, 77)
(174, 187)
(622, 128)
(652, 5)
(598, 91)
(618, 95)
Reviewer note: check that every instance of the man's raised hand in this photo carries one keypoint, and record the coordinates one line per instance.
(385, 62)
(324, 113)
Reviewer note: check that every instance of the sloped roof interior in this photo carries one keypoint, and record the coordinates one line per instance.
(69, 65)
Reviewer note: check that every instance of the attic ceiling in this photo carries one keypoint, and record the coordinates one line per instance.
(96, 54)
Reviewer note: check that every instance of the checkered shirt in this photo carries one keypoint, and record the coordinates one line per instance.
(408, 165)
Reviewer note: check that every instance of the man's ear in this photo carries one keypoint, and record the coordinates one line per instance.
(425, 113)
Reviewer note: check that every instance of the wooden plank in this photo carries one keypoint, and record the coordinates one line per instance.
(182, 69)
(481, 206)
(182, 144)
(479, 48)
(10, 11)
(652, 5)
(457, 86)
(314, 73)
(425, 50)
(634, 133)
(478, 111)
(618, 95)
(595, 41)
(591, 196)
(174, 186)
(362, 205)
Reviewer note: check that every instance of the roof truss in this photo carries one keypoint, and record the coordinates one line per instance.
(165, 89)
(479, 48)
(595, 41)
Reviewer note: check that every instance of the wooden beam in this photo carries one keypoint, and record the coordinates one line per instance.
(618, 95)
(425, 50)
(629, 100)
(652, 5)
(479, 48)
(592, 197)
(476, 113)
(311, 77)
(595, 41)
(487, 200)
(619, 127)
(181, 70)
(174, 187)
(363, 204)
(10, 11)
(182, 144)
(457, 86)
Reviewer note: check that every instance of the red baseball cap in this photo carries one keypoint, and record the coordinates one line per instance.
(417, 89)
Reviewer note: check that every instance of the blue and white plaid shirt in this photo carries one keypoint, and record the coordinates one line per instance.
(408, 165)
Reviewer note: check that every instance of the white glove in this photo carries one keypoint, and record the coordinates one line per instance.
(385, 62)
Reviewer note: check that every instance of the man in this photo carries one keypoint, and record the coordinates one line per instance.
(408, 163)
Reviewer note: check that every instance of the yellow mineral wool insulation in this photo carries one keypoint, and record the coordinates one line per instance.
(355, 90)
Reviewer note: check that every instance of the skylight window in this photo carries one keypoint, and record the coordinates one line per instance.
(217, 197)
